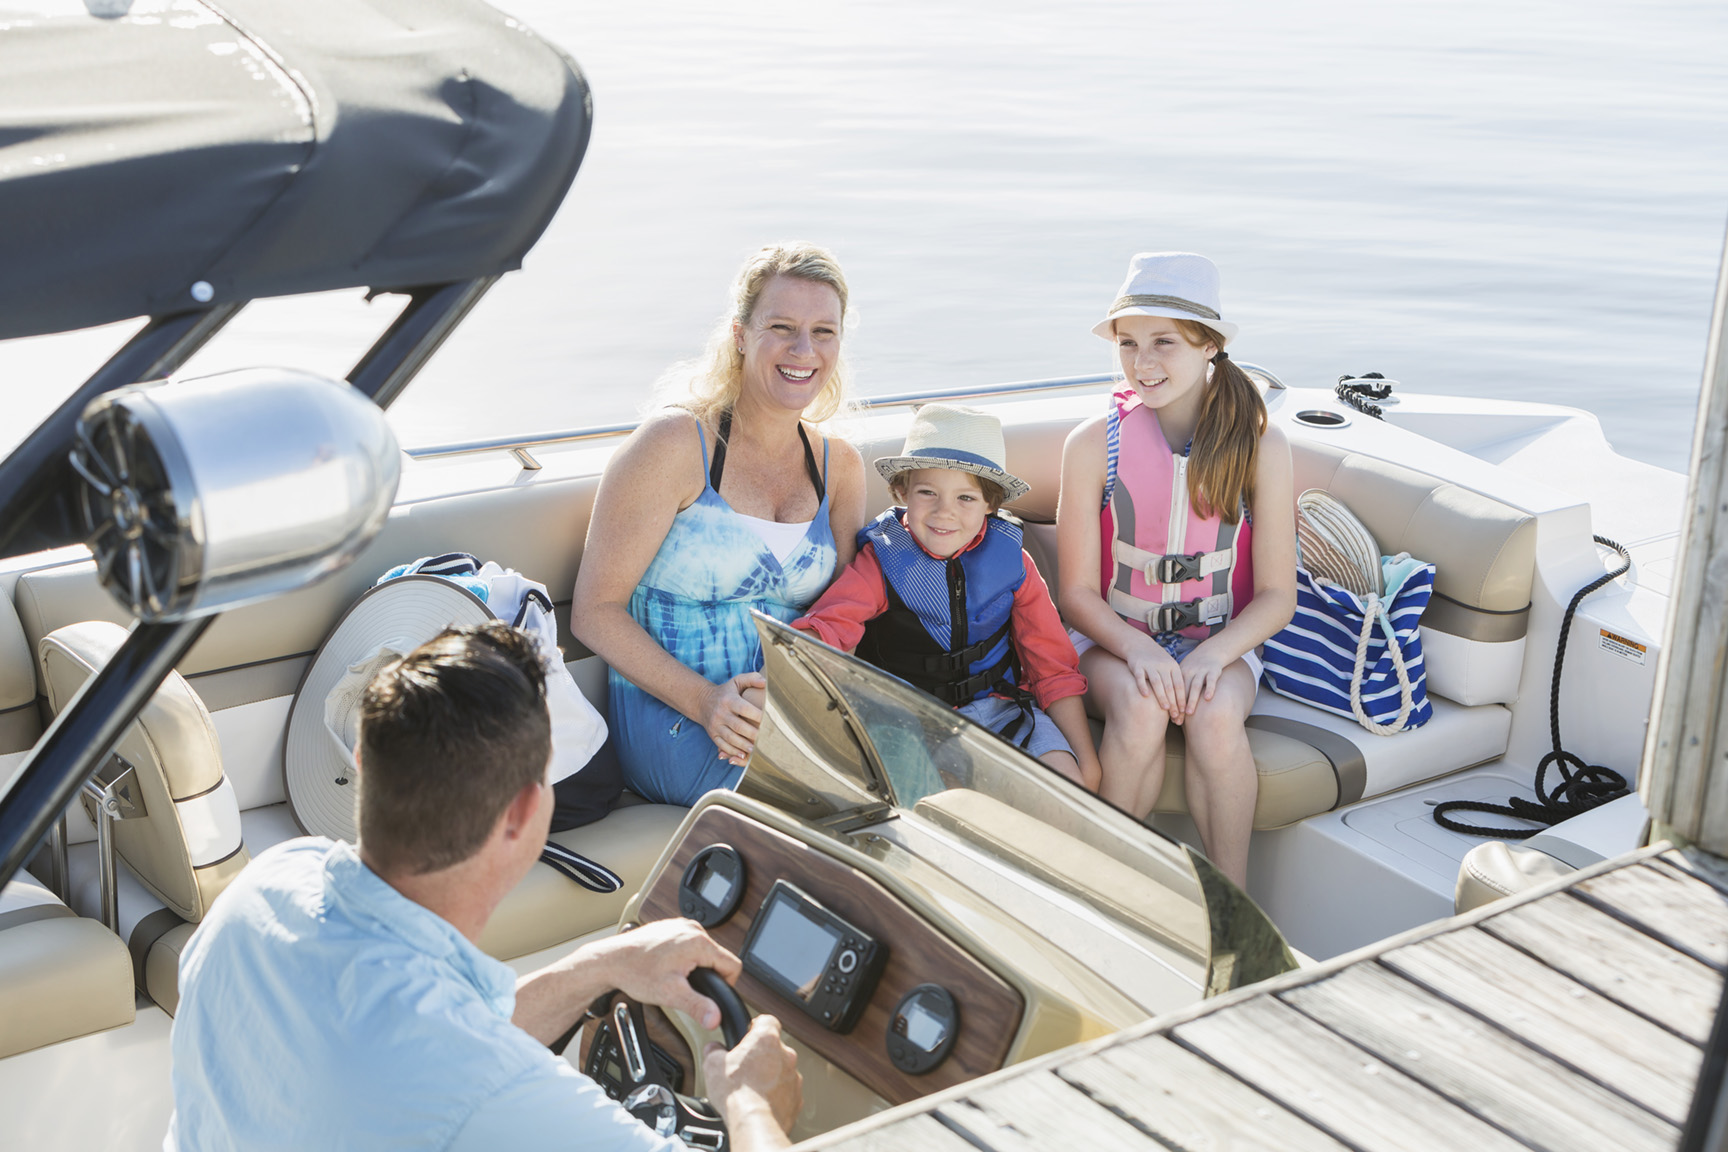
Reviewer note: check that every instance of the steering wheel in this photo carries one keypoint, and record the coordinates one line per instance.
(734, 1017)
(646, 1094)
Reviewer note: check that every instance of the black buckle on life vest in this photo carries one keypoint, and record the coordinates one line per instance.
(1175, 568)
(1175, 617)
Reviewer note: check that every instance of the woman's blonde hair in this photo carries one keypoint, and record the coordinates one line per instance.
(1227, 437)
(715, 379)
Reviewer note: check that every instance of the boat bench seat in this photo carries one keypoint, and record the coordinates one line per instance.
(1484, 551)
(178, 858)
(61, 975)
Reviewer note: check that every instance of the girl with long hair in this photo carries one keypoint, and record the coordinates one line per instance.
(1177, 550)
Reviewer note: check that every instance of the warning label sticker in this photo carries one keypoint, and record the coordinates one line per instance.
(1622, 647)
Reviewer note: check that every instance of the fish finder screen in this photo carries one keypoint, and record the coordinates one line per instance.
(923, 1028)
(794, 947)
(712, 886)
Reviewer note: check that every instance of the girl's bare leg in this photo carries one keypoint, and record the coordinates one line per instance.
(1222, 784)
(1132, 751)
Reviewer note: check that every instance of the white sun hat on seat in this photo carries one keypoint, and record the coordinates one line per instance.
(391, 619)
(1180, 285)
(965, 439)
(407, 607)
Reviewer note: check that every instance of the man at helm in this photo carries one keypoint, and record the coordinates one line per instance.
(335, 996)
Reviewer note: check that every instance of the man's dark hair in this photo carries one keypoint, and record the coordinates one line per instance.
(449, 735)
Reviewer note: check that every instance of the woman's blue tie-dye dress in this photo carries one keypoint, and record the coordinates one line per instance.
(695, 601)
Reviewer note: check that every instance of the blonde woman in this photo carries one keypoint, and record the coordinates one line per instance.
(730, 502)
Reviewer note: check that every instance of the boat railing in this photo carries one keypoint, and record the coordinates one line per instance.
(520, 445)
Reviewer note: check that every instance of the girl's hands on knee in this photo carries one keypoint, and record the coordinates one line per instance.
(732, 714)
(1201, 672)
(1158, 676)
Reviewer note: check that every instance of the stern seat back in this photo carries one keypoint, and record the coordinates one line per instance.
(1483, 552)
(187, 845)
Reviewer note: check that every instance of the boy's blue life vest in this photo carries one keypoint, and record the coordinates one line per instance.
(946, 627)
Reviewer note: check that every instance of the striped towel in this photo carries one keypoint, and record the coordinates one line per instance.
(1342, 652)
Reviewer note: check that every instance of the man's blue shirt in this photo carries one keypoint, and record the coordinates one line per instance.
(319, 1007)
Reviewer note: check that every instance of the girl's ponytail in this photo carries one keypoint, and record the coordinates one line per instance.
(1227, 437)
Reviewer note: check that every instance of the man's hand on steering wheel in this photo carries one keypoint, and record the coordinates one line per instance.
(756, 1086)
(652, 964)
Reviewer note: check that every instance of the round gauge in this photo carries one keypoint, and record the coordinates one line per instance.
(921, 1032)
(712, 885)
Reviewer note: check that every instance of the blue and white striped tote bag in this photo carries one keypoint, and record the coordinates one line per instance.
(1358, 656)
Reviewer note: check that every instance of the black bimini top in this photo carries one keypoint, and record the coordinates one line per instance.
(267, 147)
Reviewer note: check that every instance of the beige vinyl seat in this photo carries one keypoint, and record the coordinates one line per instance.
(61, 975)
(20, 722)
(1473, 631)
(187, 846)
(1496, 869)
(1310, 761)
(547, 908)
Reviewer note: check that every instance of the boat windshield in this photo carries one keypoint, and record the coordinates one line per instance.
(847, 745)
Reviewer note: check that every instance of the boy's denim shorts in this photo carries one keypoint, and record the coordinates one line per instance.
(1003, 717)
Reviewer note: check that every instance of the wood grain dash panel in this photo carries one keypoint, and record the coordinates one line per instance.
(990, 1008)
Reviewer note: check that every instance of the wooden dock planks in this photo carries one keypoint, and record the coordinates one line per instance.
(1570, 1019)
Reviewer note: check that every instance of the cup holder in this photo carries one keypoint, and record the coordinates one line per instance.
(1322, 418)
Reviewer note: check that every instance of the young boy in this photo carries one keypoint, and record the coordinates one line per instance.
(942, 595)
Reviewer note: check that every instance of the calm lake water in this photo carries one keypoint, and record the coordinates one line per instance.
(1522, 200)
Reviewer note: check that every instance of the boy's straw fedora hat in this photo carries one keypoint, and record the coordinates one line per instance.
(1181, 285)
(947, 436)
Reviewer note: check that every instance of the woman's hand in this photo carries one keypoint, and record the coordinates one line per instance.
(1157, 675)
(732, 713)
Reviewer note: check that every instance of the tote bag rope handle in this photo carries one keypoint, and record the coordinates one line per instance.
(1375, 610)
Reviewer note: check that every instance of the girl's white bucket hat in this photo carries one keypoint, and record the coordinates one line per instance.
(965, 439)
(1181, 285)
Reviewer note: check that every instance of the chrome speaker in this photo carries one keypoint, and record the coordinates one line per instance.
(204, 494)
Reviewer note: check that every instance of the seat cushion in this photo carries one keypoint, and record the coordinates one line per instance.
(1456, 738)
(1495, 870)
(161, 980)
(546, 908)
(1296, 779)
(60, 975)
(1309, 761)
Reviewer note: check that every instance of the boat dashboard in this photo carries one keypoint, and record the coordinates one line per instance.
(853, 970)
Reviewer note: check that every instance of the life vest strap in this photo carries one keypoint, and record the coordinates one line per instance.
(1173, 616)
(950, 663)
(958, 692)
(1174, 568)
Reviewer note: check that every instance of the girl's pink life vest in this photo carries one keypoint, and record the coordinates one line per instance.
(1163, 566)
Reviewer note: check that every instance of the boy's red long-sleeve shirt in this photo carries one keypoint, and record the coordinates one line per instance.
(860, 594)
